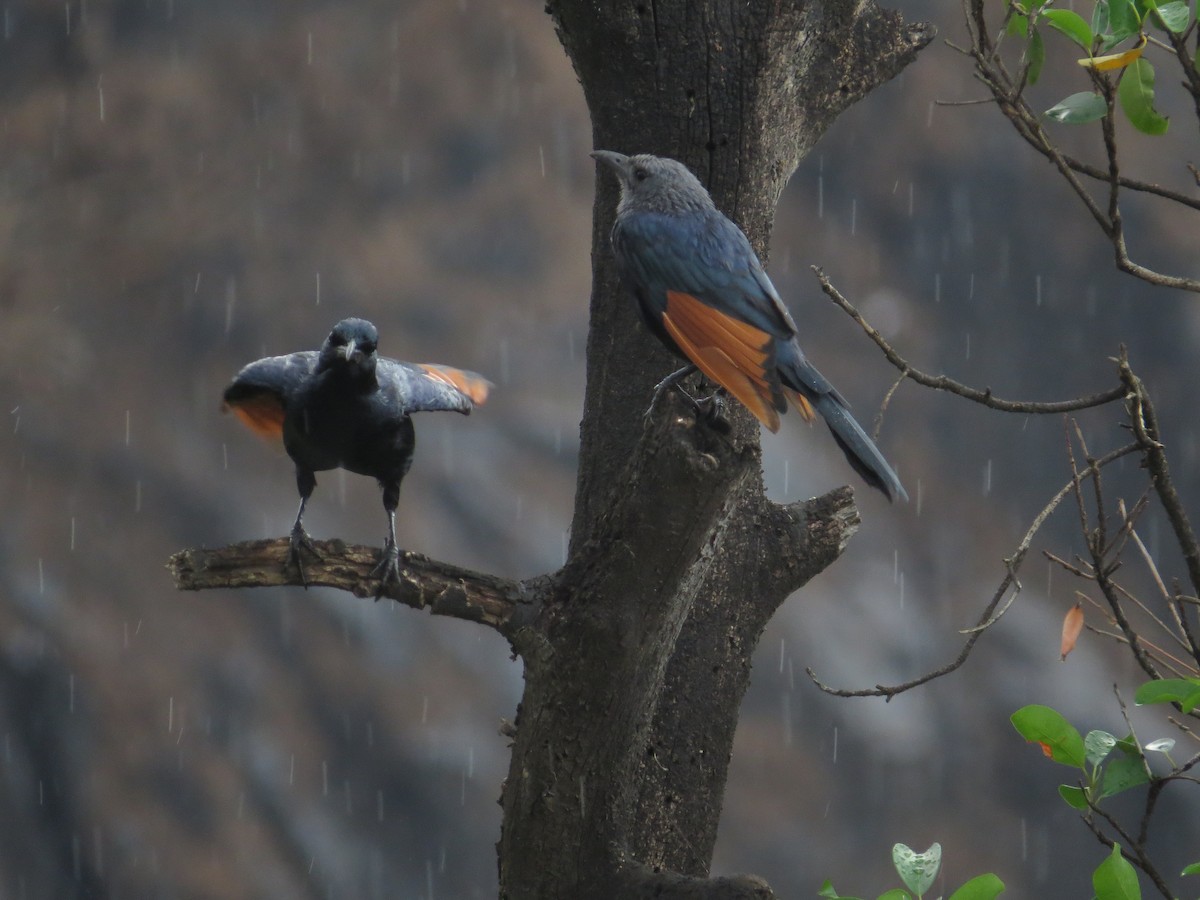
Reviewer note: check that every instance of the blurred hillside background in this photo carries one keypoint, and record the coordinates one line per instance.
(186, 186)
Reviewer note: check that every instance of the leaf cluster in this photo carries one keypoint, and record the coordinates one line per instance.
(1113, 23)
(918, 871)
(1107, 765)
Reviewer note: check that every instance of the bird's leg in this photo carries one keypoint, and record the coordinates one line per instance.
(389, 561)
(299, 540)
(711, 408)
(672, 380)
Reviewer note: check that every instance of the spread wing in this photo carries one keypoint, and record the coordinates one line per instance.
(259, 392)
(421, 387)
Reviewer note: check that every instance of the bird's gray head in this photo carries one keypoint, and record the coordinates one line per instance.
(351, 344)
(654, 183)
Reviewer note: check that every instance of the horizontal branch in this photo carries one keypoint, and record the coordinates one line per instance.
(443, 589)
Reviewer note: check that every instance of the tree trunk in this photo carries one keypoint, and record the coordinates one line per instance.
(637, 653)
(637, 662)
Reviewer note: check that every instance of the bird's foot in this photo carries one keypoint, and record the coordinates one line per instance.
(712, 410)
(671, 381)
(299, 541)
(388, 569)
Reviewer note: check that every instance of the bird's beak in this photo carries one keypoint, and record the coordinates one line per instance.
(618, 162)
(346, 351)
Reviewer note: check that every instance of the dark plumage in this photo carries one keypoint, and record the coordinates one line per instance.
(703, 292)
(346, 407)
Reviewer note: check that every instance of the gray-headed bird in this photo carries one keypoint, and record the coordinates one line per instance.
(703, 292)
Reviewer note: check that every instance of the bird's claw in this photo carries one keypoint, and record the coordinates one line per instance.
(712, 410)
(388, 569)
(673, 380)
(298, 541)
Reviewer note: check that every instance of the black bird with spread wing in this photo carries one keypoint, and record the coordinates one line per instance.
(347, 407)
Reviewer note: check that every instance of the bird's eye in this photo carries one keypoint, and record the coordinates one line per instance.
(367, 348)
(337, 340)
(640, 174)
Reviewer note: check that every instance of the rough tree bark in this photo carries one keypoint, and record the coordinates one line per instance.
(677, 560)
(637, 653)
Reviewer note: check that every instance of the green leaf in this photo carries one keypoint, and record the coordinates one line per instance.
(1115, 879)
(828, 893)
(1036, 54)
(1193, 869)
(917, 870)
(1100, 17)
(1136, 93)
(1042, 725)
(1123, 774)
(1129, 745)
(1072, 25)
(1172, 16)
(1184, 691)
(1076, 797)
(1098, 745)
(895, 894)
(982, 887)
(1075, 110)
(1123, 18)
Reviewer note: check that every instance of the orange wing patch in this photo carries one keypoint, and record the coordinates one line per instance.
(468, 383)
(262, 413)
(730, 352)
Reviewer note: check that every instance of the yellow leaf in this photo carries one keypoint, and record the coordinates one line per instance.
(1115, 60)
(1072, 626)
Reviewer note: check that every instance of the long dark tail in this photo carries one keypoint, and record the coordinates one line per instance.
(800, 376)
(860, 450)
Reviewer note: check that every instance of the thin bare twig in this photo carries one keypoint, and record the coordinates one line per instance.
(978, 102)
(986, 618)
(887, 399)
(943, 383)
(1181, 615)
(1160, 652)
(1145, 428)
(1142, 860)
